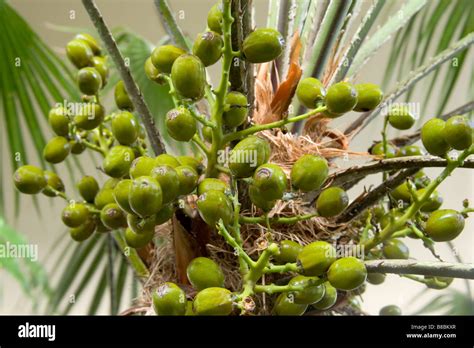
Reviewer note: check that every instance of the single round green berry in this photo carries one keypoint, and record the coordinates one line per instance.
(121, 192)
(208, 47)
(331, 202)
(138, 241)
(188, 178)
(310, 294)
(100, 64)
(214, 18)
(163, 57)
(125, 128)
(378, 150)
(88, 188)
(433, 202)
(401, 192)
(180, 124)
(142, 166)
(113, 217)
(376, 278)
(432, 136)
(285, 305)
(89, 116)
(56, 150)
(329, 299)
(103, 197)
(118, 161)
(458, 133)
(310, 92)
(347, 273)
(341, 98)
(444, 225)
(204, 273)
(145, 196)
(213, 301)
(59, 121)
(166, 159)
(122, 100)
(410, 150)
(54, 184)
(400, 117)
(166, 212)
(309, 172)
(212, 184)
(390, 310)
(168, 179)
(75, 214)
(271, 181)
(79, 53)
(195, 163)
(83, 231)
(247, 155)
(214, 205)
(153, 73)
(89, 81)
(236, 109)
(169, 299)
(396, 249)
(140, 225)
(369, 97)
(263, 45)
(316, 257)
(189, 77)
(257, 199)
(29, 179)
(91, 42)
(288, 251)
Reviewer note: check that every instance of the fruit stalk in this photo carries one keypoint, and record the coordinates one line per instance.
(135, 261)
(276, 219)
(273, 288)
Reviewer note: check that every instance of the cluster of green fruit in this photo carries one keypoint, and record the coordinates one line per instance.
(320, 274)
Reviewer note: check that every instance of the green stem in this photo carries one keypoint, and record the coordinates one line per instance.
(93, 147)
(289, 267)
(275, 219)
(233, 243)
(201, 144)
(236, 226)
(385, 144)
(273, 288)
(132, 256)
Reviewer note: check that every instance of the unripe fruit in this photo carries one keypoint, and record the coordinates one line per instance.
(88, 188)
(83, 231)
(410, 150)
(433, 202)
(168, 179)
(376, 278)
(187, 179)
(208, 47)
(341, 98)
(153, 73)
(257, 199)
(121, 192)
(444, 225)
(401, 192)
(166, 212)
(141, 225)
(122, 100)
(89, 116)
(137, 241)
(165, 159)
(236, 109)
(271, 181)
(390, 310)
(145, 196)
(29, 179)
(288, 252)
(396, 249)
(387, 218)
(56, 150)
(263, 45)
(77, 147)
(432, 136)
(125, 128)
(181, 124)
(117, 162)
(309, 172)
(189, 77)
(214, 18)
(247, 155)
(59, 121)
(206, 133)
(79, 53)
(113, 217)
(91, 42)
(104, 196)
(332, 201)
(213, 301)
(211, 184)
(330, 114)
(347, 273)
(438, 283)
(54, 183)
(285, 305)
(75, 214)
(169, 299)
(192, 162)
(111, 183)
(315, 258)
(204, 273)
(369, 97)
(329, 298)
(458, 133)
(213, 206)
(400, 117)
(311, 294)
(100, 64)
(142, 166)
(378, 150)
(310, 92)
(163, 57)
(89, 81)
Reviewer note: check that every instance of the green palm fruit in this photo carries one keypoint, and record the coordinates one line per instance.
(168, 179)
(214, 205)
(206, 133)
(208, 47)
(138, 241)
(332, 201)
(54, 184)
(169, 299)
(180, 124)
(188, 178)
(310, 92)
(329, 298)
(142, 166)
(213, 301)
(396, 249)
(163, 57)
(204, 273)
(288, 252)
(258, 201)
(341, 98)
(211, 184)
(316, 257)
(121, 192)
(376, 278)
(458, 133)
(100, 64)
(401, 192)
(29, 179)
(263, 45)
(444, 225)
(75, 214)
(394, 214)
(103, 197)
(56, 150)
(438, 283)
(122, 100)
(140, 225)
(433, 202)
(410, 150)
(390, 310)
(432, 136)
(113, 217)
(271, 181)
(309, 172)
(166, 212)
(310, 294)
(145, 196)
(369, 97)
(285, 305)
(118, 161)
(79, 53)
(88, 188)
(378, 150)
(77, 147)
(59, 121)
(214, 18)
(165, 159)
(400, 117)
(189, 76)
(111, 183)
(83, 231)
(153, 73)
(330, 114)
(89, 81)
(91, 42)
(125, 128)
(247, 155)
(89, 116)
(347, 273)
(194, 163)
(236, 109)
